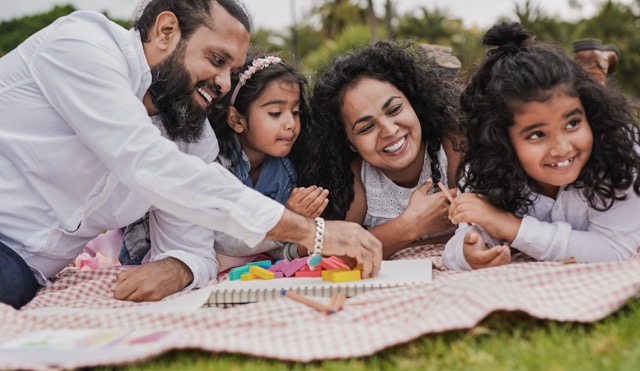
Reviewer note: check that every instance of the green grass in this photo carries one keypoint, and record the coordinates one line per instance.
(503, 341)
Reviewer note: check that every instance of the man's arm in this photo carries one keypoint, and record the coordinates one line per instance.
(181, 257)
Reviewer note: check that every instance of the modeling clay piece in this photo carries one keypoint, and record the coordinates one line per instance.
(261, 272)
(346, 276)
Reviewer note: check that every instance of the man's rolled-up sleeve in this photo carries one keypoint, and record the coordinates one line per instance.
(185, 241)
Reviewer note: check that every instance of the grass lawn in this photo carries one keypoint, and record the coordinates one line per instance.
(503, 341)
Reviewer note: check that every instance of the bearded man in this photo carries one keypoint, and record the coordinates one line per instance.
(100, 125)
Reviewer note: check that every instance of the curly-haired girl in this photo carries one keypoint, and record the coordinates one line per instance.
(383, 125)
(551, 164)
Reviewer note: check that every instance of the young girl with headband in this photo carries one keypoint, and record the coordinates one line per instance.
(266, 114)
(384, 124)
(551, 164)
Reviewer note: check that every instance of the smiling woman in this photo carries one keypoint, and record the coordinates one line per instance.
(384, 124)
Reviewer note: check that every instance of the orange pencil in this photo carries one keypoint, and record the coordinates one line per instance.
(334, 302)
(446, 191)
(341, 301)
(308, 302)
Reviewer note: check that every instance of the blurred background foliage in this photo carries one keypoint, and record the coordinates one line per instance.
(333, 27)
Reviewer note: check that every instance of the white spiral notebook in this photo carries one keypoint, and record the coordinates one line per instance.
(393, 273)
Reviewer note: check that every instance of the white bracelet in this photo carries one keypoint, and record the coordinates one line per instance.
(316, 255)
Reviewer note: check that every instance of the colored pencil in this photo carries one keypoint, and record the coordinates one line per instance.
(306, 301)
(446, 192)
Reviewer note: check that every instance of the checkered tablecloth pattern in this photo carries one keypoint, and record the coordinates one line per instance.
(554, 291)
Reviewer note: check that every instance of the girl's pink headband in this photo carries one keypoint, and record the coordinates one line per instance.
(257, 65)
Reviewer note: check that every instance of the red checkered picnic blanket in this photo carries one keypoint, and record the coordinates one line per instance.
(286, 330)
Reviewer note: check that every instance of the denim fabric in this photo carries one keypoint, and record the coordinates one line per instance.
(277, 175)
(136, 242)
(18, 285)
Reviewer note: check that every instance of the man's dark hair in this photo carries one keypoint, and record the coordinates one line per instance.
(190, 13)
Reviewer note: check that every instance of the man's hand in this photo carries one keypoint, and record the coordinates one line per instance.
(340, 239)
(152, 281)
(350, 239)
(309, 201)
(478, 255)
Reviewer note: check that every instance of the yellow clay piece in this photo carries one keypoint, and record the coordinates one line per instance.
(346, 276)
(261, 272)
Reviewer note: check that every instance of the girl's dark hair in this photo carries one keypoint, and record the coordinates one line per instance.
(430, 89)
(281, 72)
(519, 70)
(190, 13)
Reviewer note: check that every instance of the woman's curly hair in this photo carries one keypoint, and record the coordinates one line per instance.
(430, 89)
(252, 89)
(519, 70)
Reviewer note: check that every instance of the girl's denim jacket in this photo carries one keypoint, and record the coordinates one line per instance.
(277, 175)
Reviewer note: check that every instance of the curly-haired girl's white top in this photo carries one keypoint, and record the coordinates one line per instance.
(564, 227)
(387, 200)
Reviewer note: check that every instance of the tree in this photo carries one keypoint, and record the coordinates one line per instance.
(373, 20)
(432, 27)
(336, 15)
(546, 28)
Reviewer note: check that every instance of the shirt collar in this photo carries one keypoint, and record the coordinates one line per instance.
(145, 70)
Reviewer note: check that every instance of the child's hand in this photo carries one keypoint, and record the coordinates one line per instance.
(472, 208)
(309, 201)
(478, 255)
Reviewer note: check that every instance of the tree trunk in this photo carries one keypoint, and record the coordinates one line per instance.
(373, 22)
(387, 19)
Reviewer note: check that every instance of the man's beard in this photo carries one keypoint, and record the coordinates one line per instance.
(172, 96)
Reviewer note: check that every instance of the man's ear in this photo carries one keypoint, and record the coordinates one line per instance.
(236, 121)
(165, 33)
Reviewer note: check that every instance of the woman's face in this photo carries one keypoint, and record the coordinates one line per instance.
(552, 140)
(383, 128)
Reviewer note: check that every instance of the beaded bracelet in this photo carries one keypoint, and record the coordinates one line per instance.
(316, 255)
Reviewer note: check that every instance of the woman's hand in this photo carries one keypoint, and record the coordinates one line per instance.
(427, 213)
(309, 201)
(478, 255)
(472, 208)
